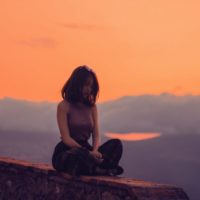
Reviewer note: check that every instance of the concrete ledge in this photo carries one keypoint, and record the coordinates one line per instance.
(20, 179)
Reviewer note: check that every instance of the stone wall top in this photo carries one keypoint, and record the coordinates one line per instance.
(43, 181)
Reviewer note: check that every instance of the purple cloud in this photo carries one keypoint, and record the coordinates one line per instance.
(89, 27)
(39, 42)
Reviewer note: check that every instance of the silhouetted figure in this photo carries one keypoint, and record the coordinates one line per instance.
(77, 118)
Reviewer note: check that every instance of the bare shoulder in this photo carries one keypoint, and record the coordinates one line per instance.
(63, 105)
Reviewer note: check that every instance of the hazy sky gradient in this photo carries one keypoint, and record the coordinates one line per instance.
(135, 47)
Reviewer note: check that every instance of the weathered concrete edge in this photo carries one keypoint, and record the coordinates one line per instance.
(114, 182)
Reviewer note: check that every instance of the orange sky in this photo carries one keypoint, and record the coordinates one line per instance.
(135, 47)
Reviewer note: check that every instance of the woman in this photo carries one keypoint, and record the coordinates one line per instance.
(77, 118)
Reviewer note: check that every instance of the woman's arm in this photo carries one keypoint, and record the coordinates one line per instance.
(62, 109)
(95, 133)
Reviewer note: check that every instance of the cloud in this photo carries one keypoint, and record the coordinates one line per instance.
(164, 113)
(89, 27)
(177, 90)
(22, 115)
(39, 42)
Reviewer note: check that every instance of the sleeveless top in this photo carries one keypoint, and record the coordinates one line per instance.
(80, 122)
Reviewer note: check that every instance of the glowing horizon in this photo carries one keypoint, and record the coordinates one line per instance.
(133, 136)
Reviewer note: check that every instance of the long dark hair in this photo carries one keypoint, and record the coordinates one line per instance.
(72, 89)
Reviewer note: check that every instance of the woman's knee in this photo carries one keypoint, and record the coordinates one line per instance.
(117, 142)
(56, 162)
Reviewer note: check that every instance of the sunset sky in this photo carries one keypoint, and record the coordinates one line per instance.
(135, 47)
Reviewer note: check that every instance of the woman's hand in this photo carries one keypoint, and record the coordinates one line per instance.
(96, 154)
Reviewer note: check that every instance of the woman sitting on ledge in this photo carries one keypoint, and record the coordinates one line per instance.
(77, 118)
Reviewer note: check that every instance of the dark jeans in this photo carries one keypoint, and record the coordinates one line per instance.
(67, 158)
